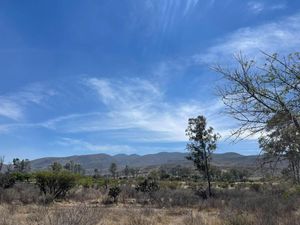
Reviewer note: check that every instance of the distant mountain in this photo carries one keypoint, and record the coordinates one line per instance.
(103, 161)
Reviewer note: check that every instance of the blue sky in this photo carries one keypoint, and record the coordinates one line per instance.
(84, 77)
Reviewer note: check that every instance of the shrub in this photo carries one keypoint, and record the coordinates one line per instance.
(148, 186)
(193, 220)
(55, 185)
(21, 176)
(86, 182)
(76, 215)
(114, 192)
(6, 180)
(25, 193)
(255, 187)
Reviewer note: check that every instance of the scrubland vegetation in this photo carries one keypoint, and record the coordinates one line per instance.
(63, 197)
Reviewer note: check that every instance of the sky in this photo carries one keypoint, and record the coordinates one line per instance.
(123, 77)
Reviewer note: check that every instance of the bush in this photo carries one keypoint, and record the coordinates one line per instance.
(25, 193)
(114, 192)
(86, 182)
(18, 176)
(55, 185)
(148, 186)
(255, 187)
(6, 180)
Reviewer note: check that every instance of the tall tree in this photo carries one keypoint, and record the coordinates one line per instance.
(203, 141)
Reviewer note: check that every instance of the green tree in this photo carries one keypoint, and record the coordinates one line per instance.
(74, 167)
(202, 143)
(21, 166)
(113, 169)
(282, 142)
(56, 167)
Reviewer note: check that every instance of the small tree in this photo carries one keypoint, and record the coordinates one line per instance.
(1, 162)
(126, 170)
(56, 167)
(21, 166)
(74, 167)
(113, 169)
(202, 144)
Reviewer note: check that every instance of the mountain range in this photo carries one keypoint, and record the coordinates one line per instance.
(103, 161)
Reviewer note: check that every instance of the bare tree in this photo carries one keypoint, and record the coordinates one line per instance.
(265, 100)
(253, 95)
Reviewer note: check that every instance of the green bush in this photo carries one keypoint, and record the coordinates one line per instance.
(55, 185)
(114, 192)
(148, 186)
(86, 182)
(21, 176)
(6, 180)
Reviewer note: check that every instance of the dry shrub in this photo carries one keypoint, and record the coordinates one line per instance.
(192, 219)
(238, 219)
(84, 194)
(6, 216)
(179, 198)
(139, 219)
(20, 193)
(76, 215)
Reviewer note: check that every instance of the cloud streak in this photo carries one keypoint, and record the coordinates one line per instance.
(281, 36)
(12, 106)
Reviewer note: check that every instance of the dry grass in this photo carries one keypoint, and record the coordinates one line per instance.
(276, 206)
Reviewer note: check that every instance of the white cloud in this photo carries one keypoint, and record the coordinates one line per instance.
(10, 109)
(138, 104)
(256, 7)
(282, 37)
(13, 105)
(78, 144)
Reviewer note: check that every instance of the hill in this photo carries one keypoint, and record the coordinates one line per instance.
(103, 161)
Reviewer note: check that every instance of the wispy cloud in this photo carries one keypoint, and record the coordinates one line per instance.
(141, 104)
(133, 105)
(10, 109)
(281, 37)
(13, 105)
(82, 145)
(259, 6)
(256, 7)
